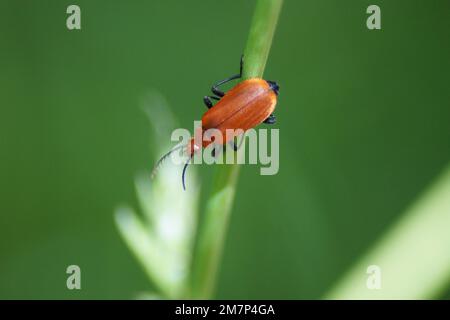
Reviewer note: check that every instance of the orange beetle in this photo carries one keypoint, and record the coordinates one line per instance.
(245, 106)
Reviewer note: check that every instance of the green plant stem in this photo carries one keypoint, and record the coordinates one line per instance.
(260, 37)
(218, 208)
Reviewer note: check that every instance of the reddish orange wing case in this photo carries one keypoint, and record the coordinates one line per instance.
(245, 106)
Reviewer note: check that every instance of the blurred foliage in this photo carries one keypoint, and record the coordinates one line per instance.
(363, 116)
(412, 259)
(162, 235)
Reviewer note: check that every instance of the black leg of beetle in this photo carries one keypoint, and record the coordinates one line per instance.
(233, 145)
(214, 153)
(208, 102)
(274, 86)
(241, 66)
(270, 119)
(237, 142)
(215, 87)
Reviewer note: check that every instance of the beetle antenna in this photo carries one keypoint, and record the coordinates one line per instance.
(184, 171)
(161, 160)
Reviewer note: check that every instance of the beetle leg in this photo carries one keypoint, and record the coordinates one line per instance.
(215, 88)
(208, 102)
(234, 145)
(274, 86)
(241, 66)
(270, 119)
(214, 153)
(237, 142)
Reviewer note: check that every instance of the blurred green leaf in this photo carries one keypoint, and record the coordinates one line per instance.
(413, 255)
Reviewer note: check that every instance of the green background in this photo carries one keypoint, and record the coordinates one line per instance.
(363, 118)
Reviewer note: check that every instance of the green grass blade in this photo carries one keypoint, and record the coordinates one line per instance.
(219, 205)
(414, 256)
